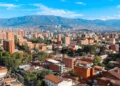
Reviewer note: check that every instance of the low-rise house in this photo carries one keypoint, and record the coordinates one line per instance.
(3, 72)
(98, 69)
(52, 80)
(110, 78)
(25, 68)
(10, 82)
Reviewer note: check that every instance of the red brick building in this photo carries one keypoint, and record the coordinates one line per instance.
(69, 62)
(84, 69)
(9, 45)
(85, 73)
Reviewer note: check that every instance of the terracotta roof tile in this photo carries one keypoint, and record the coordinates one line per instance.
(115, 72)
(8, 80)
(53, 78)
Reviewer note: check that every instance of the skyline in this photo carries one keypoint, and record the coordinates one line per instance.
(92, 9)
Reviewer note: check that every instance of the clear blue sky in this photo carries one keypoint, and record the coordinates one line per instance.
(87, 9)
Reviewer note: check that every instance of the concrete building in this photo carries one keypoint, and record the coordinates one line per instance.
(30, 45)
(83, 42)
(2, 35)
(84, 36)
(115, 47)
(22, 41)
(67, 40)
(59, 39)
(84, 70)
(112, 41)
(90, 41)
(69, 62)
(43, 47)
(10, 35)
(20, 33)
(9, 46)
(55, 66)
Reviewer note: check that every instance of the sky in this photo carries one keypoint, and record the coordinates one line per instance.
(85, 9)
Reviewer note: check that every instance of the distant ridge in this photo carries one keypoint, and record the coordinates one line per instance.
(43, 20)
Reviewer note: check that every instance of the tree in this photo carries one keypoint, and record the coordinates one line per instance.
(41, 56)
(21, 79)
(110, 65)
(89, 49)
(5, 53)
(47, 41)
(45, 72)
(71, 72)
(25, 48)
(102, 50)
(16, 40)
(97, 60)
(0, 41)
(3, 56)
(27, 57)
(38, 83)
(64, 51)
(82, 54)
(31, 76)
(12, 63)
(70, 52)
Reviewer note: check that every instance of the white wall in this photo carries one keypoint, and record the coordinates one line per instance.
(63, 83)
(3, 74)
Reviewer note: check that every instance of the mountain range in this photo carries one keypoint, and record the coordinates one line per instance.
(44, 21)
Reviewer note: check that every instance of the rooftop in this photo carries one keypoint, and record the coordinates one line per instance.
(53, 78)
(53, 61)
(115, 72)
(3, 69)
(8, 80)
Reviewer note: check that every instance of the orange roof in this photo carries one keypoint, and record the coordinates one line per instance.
(29, 70)
(3, 69)
(99, 68)
(53, 78)
(84, 62)
(8, 80)
(115, 72)
(47, 59)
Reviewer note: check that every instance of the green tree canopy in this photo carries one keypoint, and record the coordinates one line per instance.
(41, 56)
(89, 49)
(38, 83)
(31, 76)
(97, 60)
(45, 72)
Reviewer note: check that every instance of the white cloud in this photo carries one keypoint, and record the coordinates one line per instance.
(80, 3)
(118, 6)
(8, 6)
(44, 10)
